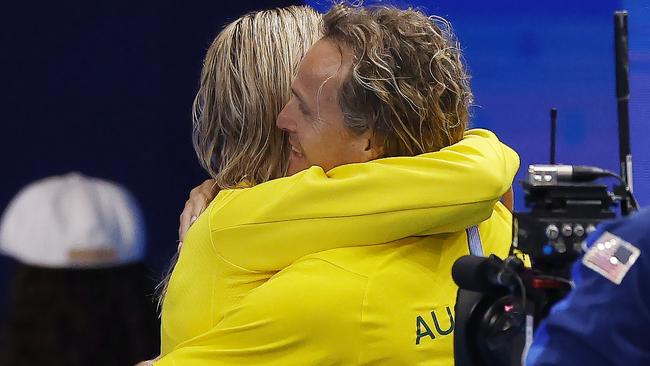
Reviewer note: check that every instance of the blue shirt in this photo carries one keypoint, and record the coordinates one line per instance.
(600, 322)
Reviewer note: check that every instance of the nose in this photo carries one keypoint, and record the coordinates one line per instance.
(284, 120)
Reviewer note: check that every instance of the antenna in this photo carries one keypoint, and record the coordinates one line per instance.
(622, 98)
(553, 133)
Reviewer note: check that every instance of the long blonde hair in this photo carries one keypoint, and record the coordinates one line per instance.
(245, 83)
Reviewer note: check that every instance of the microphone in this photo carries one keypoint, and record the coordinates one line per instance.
(547, 174)
(478, 274)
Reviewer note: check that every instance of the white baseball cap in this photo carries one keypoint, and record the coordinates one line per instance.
(73, 221)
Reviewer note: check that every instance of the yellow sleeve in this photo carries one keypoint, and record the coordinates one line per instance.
(363, 204)
(308, 314)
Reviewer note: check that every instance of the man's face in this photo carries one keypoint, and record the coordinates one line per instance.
(312, 117)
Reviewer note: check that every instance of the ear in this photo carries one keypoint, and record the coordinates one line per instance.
(373, 149)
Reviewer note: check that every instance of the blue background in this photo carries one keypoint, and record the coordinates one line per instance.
(105, 88)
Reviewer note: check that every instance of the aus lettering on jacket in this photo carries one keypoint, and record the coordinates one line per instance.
(440, 322)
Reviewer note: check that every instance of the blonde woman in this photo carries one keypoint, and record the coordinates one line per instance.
(253, 287)
(245, 83)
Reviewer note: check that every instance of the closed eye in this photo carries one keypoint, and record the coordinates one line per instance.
(301, 102)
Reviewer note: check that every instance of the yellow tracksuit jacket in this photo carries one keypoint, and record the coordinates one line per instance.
(346, 267)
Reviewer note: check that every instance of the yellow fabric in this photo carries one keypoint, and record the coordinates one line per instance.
(336, 267)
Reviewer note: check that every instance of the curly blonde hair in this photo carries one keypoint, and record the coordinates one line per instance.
(245, 83)
(408, 83)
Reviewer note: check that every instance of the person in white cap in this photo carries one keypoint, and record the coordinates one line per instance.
(80, 293)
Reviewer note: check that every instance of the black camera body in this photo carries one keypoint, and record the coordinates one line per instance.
(500, 302)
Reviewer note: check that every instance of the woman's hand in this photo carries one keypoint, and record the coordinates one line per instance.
(200, 198)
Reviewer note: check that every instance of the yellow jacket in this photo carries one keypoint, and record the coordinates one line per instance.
(346, 267)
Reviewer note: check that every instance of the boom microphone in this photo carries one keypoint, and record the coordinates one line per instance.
(622, 98)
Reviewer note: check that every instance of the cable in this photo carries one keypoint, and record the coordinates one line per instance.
(588, 173)
(520, 282)
(635, 204)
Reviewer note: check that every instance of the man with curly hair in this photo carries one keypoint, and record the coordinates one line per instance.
(348, 260)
